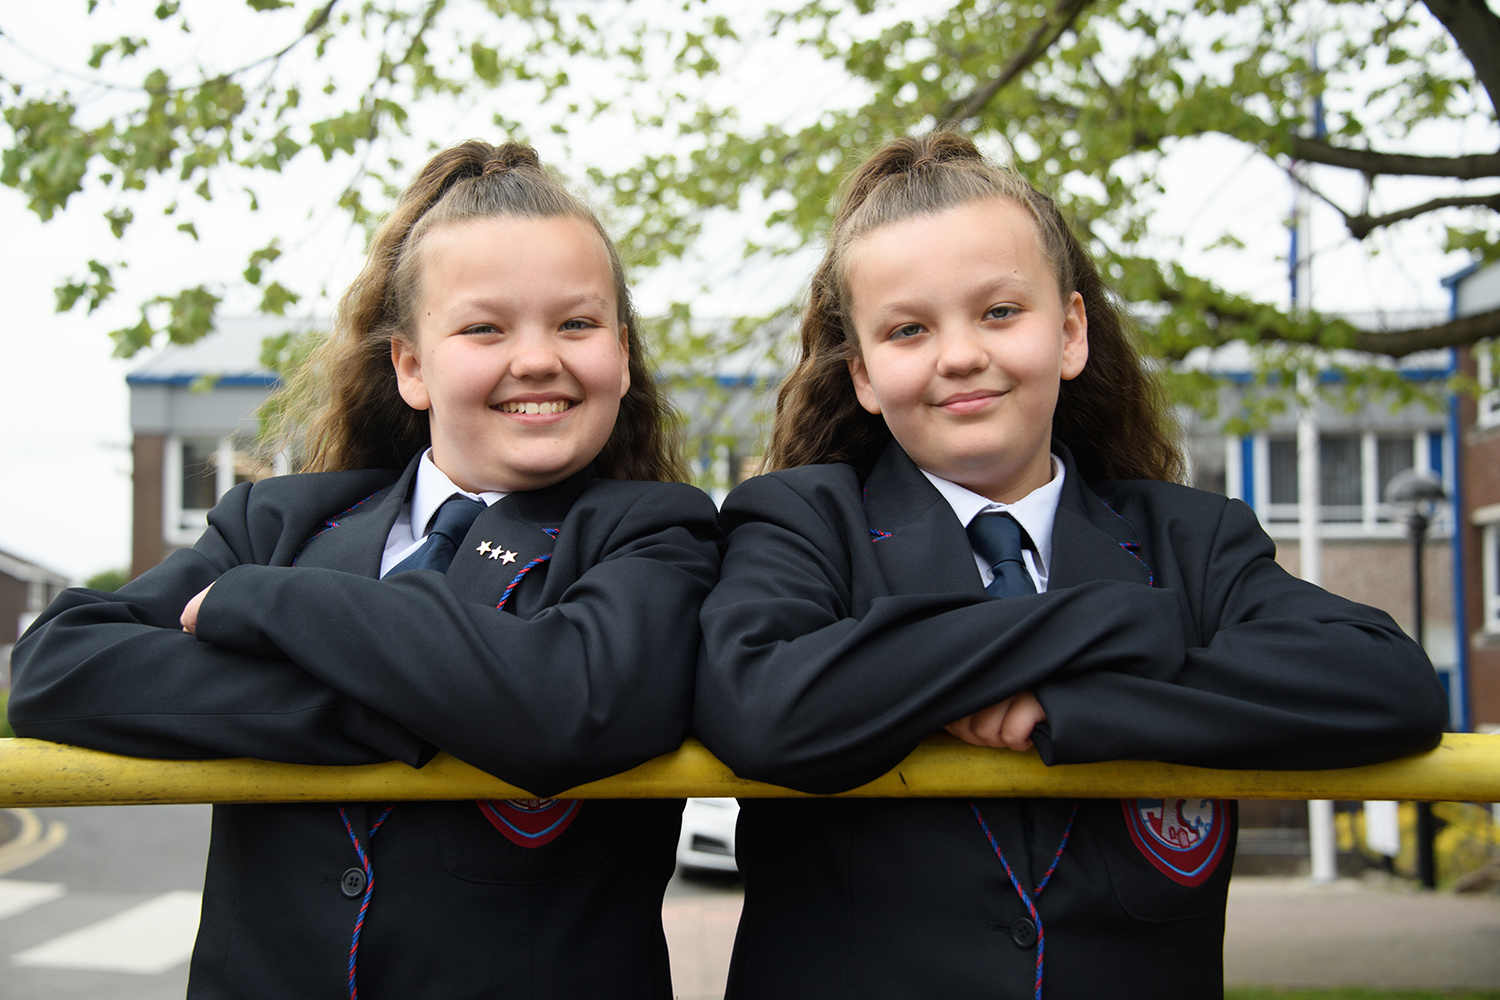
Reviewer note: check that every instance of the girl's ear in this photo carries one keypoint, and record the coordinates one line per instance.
(409, 373)
(1075, 347)
(862, 388)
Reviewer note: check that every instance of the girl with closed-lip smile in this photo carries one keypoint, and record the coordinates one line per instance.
(487, 555)
(972, 525)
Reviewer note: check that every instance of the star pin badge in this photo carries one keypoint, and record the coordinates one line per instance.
(483, 549)
(508, 558)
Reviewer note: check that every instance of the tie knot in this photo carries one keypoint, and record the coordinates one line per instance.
(454, 518)
(997, 538)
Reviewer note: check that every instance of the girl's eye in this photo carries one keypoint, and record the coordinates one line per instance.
(1000, 312)
(482, 328)
(579, 324)
(905, 331)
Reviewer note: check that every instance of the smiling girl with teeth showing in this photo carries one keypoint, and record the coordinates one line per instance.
(488, 555)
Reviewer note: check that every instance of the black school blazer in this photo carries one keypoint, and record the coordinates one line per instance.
(850, 622)
(303, 655)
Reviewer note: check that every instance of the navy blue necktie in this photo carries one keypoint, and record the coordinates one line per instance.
(999, 540)
(449, 526)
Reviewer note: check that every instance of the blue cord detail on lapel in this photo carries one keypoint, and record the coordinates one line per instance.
(329, 525)
(864, 496)
(550, 532)
(524, 570)
(878, 534)
(1132, 547)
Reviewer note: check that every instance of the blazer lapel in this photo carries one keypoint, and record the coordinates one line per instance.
(918, 543)
(354, 540)
(1089, 540)
(512, 540)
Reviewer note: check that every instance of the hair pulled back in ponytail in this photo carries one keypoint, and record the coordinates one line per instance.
(1113, 416)
(342, 410)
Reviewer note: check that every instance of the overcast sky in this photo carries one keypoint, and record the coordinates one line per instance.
(64, 433)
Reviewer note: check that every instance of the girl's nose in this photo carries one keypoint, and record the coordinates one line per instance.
(535, 356)
(959, 352)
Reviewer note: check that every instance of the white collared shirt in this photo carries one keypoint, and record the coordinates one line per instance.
(431, 490)
(1034, 512)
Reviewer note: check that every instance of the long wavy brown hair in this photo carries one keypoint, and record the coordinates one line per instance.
(341, 409)
(1113, 416)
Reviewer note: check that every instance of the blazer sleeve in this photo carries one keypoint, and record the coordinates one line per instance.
(1286, 676)
(796, 690)
(115, 672)
(589, 687)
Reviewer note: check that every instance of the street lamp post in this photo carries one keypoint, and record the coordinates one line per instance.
(1420, 494)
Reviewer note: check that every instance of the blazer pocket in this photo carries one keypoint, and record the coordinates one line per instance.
(475, 851)
(1169, 859)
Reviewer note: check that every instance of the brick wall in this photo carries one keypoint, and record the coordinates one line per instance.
(1378, 572)
(148, 452)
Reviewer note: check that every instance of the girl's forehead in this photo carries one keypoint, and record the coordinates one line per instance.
(991, 233)
(518, 250)
(536, 232)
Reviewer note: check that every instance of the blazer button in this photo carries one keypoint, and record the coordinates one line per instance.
(1022, 932)
(353, 883)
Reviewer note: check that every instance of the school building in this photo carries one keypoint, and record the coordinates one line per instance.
(25, 589)
(1477, 426)
(193, 433)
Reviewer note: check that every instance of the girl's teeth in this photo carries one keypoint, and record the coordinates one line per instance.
(556, 406)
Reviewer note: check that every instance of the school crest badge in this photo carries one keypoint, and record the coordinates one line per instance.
(530, 822)
(1183, 838)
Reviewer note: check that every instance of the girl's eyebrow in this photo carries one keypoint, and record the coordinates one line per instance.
(1005, 283)
(582, 300)
(585, 300)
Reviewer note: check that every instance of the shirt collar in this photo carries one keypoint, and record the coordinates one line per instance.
(432, 490)
(1035, 511)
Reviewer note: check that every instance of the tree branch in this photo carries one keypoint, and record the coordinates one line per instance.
(1048, 32)
(1455, 333)
(1369, 162)
(1476, 29)
(1363, 224)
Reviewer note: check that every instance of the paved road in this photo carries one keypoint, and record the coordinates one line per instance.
(111, 911)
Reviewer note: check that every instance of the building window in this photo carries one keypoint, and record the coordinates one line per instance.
(1353, 470)
(1341, 482)
(1283, 472)
(1489, 386)
(198, 471)
(1491, 536)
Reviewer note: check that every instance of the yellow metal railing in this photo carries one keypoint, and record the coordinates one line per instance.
(1465, 768)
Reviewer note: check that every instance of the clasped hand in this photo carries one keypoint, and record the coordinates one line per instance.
(1005, 724)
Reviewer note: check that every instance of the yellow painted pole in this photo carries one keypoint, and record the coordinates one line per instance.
(1465, 768)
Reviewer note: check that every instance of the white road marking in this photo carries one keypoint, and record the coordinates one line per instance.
(17, 896)
(147, 939)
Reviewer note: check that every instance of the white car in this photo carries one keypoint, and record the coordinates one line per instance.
(707, 841)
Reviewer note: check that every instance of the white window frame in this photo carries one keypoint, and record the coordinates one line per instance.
(1489, 395)
(1378, 519)
(1488, 521)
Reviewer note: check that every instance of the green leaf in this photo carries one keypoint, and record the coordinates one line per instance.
(264, 255)
(277, 298)
(94, 290)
